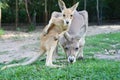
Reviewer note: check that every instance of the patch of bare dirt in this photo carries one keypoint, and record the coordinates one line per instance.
(93, 30)
(16, 45)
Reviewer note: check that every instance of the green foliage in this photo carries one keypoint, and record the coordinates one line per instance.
(1, 32)
(3, 5)
(87, 69)
(109, 9)
(31, 27)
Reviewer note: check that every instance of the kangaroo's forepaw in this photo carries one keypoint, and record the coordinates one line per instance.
(80, 58)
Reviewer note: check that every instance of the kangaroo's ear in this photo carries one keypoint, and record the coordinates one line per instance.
(61, 5)
(74, 7)
(67, 36)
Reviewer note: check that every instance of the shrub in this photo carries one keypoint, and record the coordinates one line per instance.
(1, 31)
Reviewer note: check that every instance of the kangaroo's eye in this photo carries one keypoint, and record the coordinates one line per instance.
(71, 15)
(66, 48)
(76, 48)
(63, 15)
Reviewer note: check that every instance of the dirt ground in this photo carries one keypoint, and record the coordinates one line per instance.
(15, 45)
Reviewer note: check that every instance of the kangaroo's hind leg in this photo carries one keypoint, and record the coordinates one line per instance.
(49, 56)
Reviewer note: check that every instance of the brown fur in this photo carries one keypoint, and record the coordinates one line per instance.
(48, 43)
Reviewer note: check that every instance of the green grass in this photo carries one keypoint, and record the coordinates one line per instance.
(87, 69)
(101, 42)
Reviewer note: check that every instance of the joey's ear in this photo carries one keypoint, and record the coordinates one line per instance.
(61, 5)
(74, 7)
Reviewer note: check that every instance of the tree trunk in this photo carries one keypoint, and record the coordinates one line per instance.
(0, 16)
(101, 12)
(16, 20)
(28, 14)
(50, 8)
(97, 8)
(34, 18)
(84, 4)
(46, 12)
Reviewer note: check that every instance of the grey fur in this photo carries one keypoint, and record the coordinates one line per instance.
(77, 32)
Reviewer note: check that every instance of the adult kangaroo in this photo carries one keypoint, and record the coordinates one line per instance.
(74, 39)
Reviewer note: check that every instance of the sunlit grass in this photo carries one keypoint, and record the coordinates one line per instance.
(101, 42)
(87, 69)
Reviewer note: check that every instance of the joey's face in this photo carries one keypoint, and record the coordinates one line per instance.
(67, 16)
(67, 12)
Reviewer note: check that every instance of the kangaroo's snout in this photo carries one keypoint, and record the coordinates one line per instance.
(67, 22)
(71, 59)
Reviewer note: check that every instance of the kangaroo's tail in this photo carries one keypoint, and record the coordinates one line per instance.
(24, 63)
